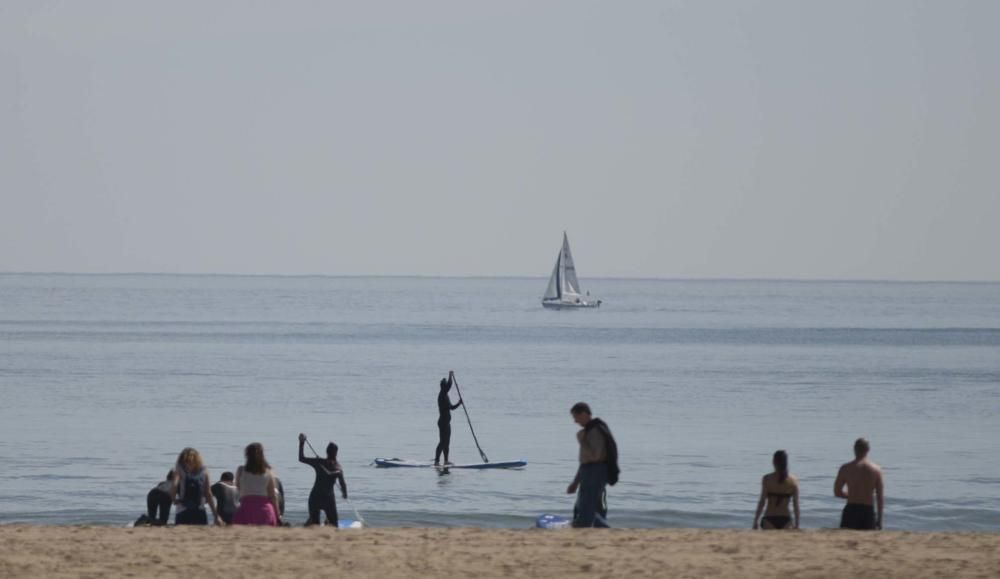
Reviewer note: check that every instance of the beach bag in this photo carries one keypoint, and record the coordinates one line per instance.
(194, 487)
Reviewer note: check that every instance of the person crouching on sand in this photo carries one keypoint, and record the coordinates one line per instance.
(863, 478)
(258, 495)
(158, 501)
(777, 489)
(192, 489)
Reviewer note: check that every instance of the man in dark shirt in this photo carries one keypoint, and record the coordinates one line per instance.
(226, 497)
(444, 419)
(598, 468)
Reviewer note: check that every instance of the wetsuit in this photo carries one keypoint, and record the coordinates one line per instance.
(444, 423)
(322, 497)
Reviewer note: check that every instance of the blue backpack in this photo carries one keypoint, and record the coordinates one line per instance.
(193, 489)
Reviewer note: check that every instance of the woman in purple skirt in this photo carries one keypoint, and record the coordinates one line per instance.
(256, 484)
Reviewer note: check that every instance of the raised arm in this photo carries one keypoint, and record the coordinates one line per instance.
(302, 453)
(879, 499)
(838, 485)
(760, 504)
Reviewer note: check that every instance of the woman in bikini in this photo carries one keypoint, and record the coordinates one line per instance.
(777, 490)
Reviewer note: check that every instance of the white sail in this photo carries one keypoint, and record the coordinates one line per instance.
(570, 285)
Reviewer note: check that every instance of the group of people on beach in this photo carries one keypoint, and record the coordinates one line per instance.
(253, 496)
(858, 481)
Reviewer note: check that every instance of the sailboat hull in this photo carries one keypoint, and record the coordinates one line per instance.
(561, 305)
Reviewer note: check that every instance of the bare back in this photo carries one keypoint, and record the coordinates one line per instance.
(779, 494)
(863, 478)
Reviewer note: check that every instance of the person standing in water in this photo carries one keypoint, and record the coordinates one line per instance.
(328, 472)
(598, 468)
(863, 478)
(444, 419)
(777, 490)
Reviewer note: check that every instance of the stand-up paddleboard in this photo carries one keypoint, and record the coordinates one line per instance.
(401, 463)
(349, 524)
(552, 522)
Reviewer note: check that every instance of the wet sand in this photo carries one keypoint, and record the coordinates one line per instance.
(50, 551)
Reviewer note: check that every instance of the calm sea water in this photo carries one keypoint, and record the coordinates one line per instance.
(103, 379)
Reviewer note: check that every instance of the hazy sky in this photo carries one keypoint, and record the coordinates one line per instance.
(670, 139)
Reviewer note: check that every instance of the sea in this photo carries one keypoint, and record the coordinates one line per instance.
(105, 378)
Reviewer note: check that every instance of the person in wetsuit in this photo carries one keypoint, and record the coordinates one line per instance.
(328, 472)
(778, 489)
(444, 419)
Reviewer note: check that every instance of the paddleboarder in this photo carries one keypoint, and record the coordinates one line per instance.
(328, 472)
(444, 418)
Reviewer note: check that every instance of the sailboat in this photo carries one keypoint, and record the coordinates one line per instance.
(563, 291)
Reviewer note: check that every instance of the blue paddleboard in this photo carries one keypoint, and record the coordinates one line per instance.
(349, 524)
(552, 522)
(401, 463)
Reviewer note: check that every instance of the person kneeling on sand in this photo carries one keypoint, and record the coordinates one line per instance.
(258, 493)
(777, 489)
(158, 502)
(862, 478)
(598, 468)
(227, 497)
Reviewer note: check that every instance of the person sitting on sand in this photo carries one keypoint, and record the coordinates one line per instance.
(227, 497)
(192, 489)
(328, 472)
(444, 419)
(775, 491)
(862, 478)
(158, 502)
(258, 496)
(598, 468)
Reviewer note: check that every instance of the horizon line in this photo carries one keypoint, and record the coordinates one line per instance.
(508, 276)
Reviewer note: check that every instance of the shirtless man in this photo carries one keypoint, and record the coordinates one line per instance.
(862, 478)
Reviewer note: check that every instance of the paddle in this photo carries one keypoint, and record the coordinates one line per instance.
(464, 408)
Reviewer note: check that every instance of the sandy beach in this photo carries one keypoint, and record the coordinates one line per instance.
(38, 551)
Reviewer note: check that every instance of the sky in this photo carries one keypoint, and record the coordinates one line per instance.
(710, 139)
